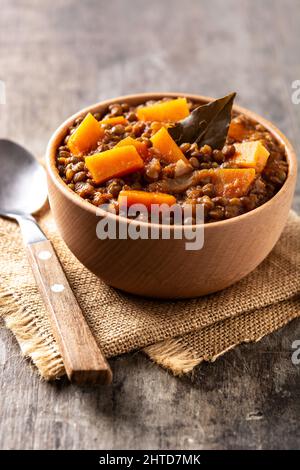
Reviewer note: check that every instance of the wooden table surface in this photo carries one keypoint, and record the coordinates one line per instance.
(56, 57)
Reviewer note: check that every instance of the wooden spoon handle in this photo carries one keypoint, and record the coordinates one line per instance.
(83, 360)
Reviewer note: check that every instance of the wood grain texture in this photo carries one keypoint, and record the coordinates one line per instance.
(83, 360)
(57, 60)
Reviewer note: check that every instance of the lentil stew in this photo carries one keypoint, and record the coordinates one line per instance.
(128, 154)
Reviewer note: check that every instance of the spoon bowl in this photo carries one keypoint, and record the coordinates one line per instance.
(23, 187)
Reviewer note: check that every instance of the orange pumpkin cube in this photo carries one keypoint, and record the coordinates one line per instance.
(129, 197)
(173, 110)
(86, 136)
(140, 146)
(157, 125)
(250, 155)
(168, 148)
(113, 163)
(232, 182)
(113, 121)
(237, 131)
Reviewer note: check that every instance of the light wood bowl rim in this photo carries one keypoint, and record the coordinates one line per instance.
(60, 132)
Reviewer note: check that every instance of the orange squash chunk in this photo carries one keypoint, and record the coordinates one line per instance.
(250, 155)
(86, 136)
(157, 125)
(140, 146)
(113, 121)
(232, 182)
(173, 111)
(168, 148)
(113, 163)
(237, 131)
(128, 198)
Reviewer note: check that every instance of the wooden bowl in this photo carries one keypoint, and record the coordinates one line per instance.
(164, 268)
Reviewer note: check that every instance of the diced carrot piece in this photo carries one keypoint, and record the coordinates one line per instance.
(113, 121)
(140, 146)
(172, 110)
(113, 163)
(86, 136)
(129, 197)
(237, 131)
(250, 155)
(168, 148)
(232, 182)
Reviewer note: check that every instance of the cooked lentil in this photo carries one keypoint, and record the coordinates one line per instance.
(76, 175)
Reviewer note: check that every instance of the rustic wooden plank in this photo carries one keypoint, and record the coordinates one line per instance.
(55, 61)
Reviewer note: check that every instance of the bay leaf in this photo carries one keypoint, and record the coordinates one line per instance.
(207, 124)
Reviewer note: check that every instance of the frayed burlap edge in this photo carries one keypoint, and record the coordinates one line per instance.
(175, 354)
(180, 357)
(33, 342)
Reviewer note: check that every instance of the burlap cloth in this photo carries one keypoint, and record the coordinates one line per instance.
(176, 334)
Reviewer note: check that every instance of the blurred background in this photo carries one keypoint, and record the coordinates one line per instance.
(57, 56)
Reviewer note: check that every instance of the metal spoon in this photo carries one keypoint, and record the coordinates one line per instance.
(23, 191)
